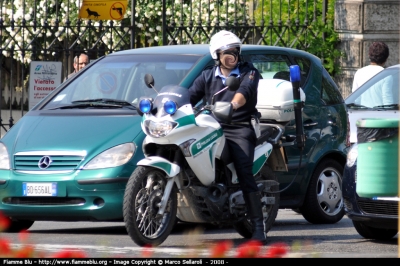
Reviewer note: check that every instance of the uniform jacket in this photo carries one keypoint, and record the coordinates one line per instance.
(207, 84)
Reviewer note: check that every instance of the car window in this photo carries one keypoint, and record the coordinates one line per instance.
(271, 66)
(381, 90)
(275, 66)
(305, 66)
(330, 94)
(122, 78)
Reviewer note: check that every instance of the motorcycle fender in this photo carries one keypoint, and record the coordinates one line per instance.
(169, 168)
(261, 154)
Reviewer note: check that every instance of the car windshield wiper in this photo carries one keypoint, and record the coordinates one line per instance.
(355, 105)
(387, 106)
(87, 105)
(97, 103)
(106, 101)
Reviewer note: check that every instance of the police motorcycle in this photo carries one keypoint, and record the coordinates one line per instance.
(187, 173)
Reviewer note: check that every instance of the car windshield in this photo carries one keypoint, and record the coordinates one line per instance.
(380, 92)
(118, 81)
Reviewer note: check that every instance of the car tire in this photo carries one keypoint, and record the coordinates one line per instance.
(374, 233)
(17, 226)
(323, 203)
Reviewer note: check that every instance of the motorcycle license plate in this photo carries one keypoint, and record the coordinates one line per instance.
(39, 189)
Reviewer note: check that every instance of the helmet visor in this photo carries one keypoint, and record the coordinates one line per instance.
(228, 46)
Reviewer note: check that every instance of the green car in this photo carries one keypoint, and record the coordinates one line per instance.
(69, 158)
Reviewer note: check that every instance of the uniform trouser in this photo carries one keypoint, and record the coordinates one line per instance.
(241, 140)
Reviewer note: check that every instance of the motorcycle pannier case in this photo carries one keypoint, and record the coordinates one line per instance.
(275, 100)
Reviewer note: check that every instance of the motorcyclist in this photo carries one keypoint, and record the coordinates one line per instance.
(225, 49)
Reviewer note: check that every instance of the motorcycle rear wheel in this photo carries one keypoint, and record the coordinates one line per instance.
(143, 193)
(244, 227)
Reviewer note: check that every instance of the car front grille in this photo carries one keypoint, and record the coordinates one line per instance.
(43, 201)
(56, 161)
(389, 208)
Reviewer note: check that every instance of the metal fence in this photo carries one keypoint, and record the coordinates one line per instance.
(50, 30)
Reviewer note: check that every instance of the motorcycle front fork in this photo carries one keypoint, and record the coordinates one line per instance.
(166, 194)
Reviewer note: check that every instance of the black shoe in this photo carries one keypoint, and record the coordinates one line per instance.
(253, 202)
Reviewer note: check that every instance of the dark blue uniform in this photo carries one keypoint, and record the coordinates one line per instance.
(240, 135)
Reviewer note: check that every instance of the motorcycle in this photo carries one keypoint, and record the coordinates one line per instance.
(187, 174)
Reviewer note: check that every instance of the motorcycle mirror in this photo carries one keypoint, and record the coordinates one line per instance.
(149, 80)
(233, 83)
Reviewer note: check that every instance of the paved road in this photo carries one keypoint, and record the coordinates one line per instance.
(109, 240)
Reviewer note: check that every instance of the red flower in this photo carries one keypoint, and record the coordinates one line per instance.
(69, 254)
(5, 248)
(249, 249)
(220, 249)
(25, 252)
(4, 222)
(277, 250)
(23, 235)
(147, 251)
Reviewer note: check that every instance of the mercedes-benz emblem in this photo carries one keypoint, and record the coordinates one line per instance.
(44, 162)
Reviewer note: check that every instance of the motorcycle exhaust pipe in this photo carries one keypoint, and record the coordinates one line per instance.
(215, 192)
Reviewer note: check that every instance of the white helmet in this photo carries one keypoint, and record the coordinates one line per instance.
(222, 41)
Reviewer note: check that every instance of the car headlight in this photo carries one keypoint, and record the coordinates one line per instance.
(159, 129)
(4, 158)
(113, 157)
(352, 155)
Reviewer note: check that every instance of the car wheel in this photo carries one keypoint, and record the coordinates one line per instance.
(17, 226)
(374, 233)
(323, 203)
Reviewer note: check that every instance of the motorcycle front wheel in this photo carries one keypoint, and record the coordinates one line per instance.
(143, 194)
(244, 227)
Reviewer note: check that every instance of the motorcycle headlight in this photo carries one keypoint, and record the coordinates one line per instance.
(4, 158)
(113, 157)
(352, 155)
(159, 129)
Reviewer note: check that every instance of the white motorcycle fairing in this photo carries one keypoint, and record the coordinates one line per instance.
(206, 143)
(169, 168)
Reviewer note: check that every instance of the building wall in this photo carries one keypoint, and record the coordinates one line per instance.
(359, 23)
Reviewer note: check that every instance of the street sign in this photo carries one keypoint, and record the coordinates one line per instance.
(44, 77)
(103, 10)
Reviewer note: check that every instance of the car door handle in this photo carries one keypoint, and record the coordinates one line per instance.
(310, 124)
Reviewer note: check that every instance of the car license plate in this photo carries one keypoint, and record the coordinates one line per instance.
(39, 189)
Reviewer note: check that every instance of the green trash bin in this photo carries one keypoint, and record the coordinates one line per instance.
(377, 161)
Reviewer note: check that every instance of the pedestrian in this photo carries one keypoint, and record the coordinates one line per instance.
(79, 62)
(225, 49)
(378, 55)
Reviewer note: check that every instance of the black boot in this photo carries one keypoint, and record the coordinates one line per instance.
(253, 202)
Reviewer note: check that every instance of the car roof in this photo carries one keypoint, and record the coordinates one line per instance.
(203, 49)
(394, 66)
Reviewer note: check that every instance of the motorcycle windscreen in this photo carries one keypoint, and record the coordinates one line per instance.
(175, 93)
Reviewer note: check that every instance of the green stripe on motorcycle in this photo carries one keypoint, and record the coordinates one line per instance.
(186, 120)
(210, 154)
(257, 164)
(163, 166)
(200, 145)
